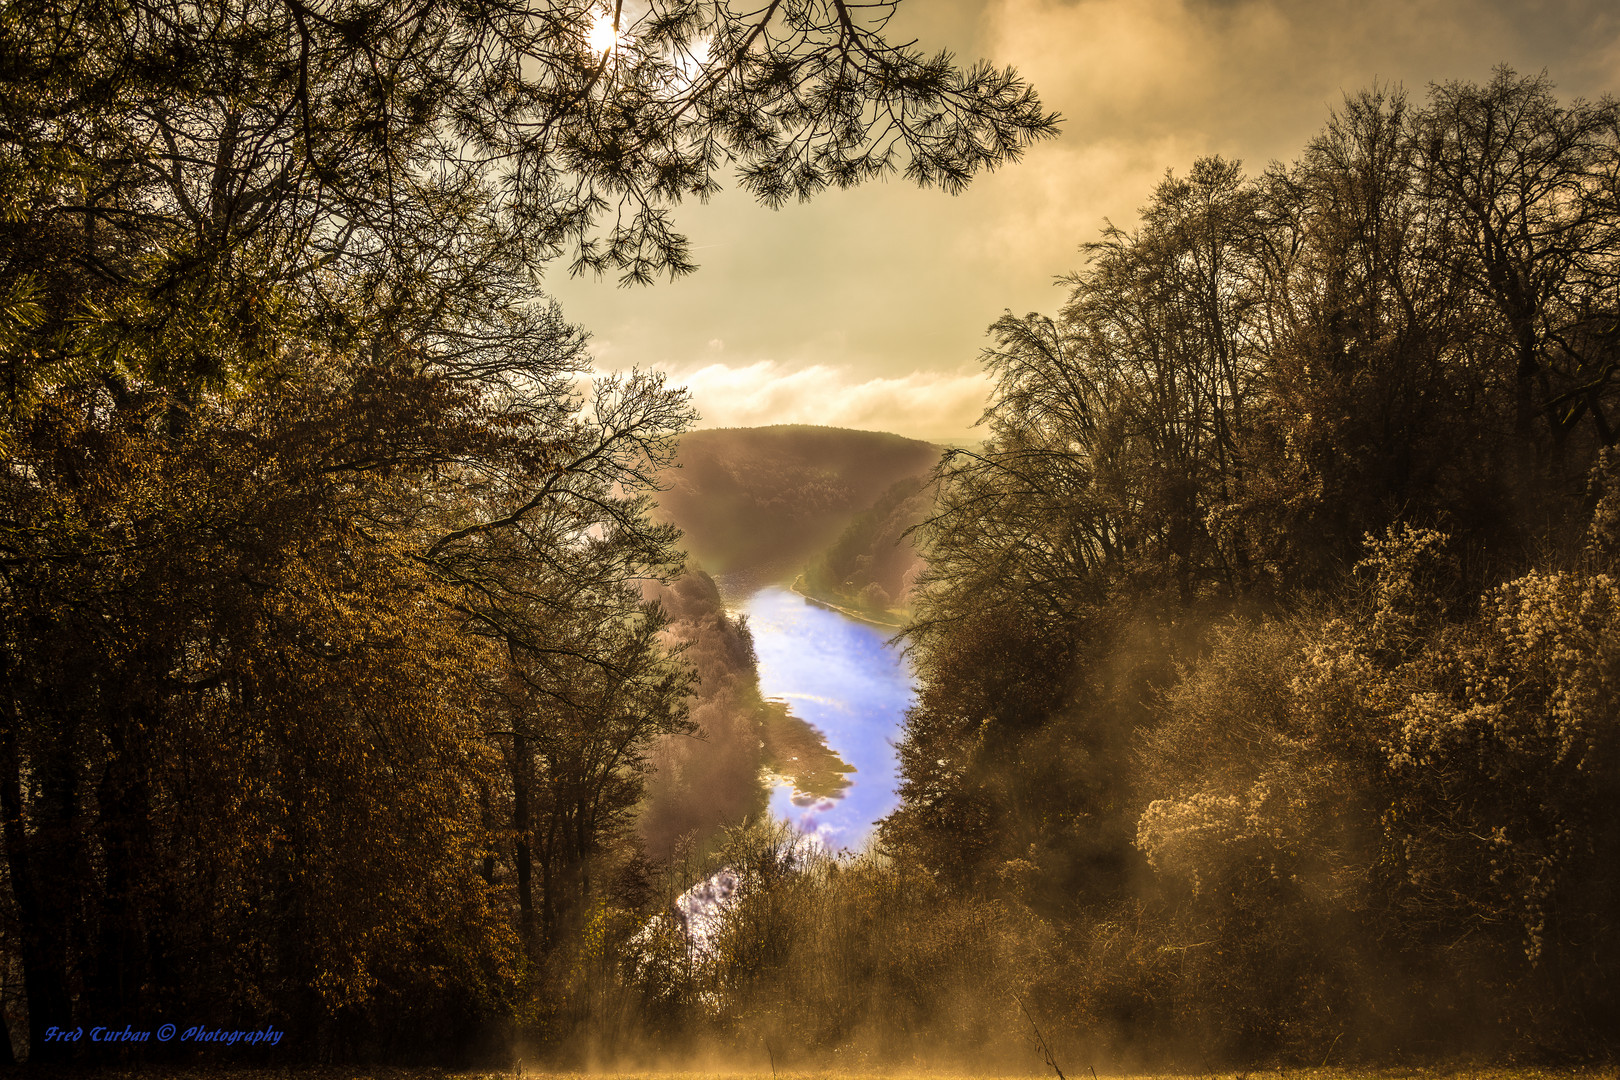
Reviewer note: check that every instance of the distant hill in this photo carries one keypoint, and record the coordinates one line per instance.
(767, 501)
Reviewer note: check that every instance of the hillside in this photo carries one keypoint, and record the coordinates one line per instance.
(871, 567)
(767, 501)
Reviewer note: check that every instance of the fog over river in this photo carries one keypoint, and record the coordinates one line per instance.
(841, 677)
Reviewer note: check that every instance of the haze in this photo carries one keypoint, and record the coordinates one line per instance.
(867, 308)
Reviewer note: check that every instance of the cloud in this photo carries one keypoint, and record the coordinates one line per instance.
(1254, 77)
(923, 405)
(1150, 85)
(867, 285)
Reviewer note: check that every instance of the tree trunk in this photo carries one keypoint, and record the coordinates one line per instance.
(125, 799)
(522, 826)
(43, 925)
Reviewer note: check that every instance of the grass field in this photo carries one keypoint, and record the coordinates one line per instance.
(1450, 1072)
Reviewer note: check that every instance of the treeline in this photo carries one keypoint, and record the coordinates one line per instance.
(1270, 650)
(323, 692)
(329, 678)
(873, 564)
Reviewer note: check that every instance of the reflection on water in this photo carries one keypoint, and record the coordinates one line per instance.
(839, 679)
(796, 754)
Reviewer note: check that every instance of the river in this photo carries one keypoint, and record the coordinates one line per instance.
(839, 676)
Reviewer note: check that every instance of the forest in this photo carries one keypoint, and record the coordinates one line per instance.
(1268, 647)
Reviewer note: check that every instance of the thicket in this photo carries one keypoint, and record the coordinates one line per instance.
(1269, 650)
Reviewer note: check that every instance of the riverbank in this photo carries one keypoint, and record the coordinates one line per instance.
(847, 612)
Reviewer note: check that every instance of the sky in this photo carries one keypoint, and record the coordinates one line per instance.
(868, 308)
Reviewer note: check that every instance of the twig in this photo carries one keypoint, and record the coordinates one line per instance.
(1040, 1040)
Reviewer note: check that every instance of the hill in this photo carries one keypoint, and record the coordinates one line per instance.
(763, 502)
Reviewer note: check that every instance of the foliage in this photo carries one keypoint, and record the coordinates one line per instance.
(833, 957)
(1266, 648)
(710, 779)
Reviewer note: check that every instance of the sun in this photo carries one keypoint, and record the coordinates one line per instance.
(602, 37)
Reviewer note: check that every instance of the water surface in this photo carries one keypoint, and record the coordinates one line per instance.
(840, 677)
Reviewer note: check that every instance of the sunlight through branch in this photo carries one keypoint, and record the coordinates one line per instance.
(602, 37)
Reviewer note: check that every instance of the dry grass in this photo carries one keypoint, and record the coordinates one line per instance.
(1454, 1072)
(350, 1072)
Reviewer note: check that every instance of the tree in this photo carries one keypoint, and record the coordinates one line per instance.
(1377, 403)
(1527, 184)
(224, 777)
(1117, 441)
